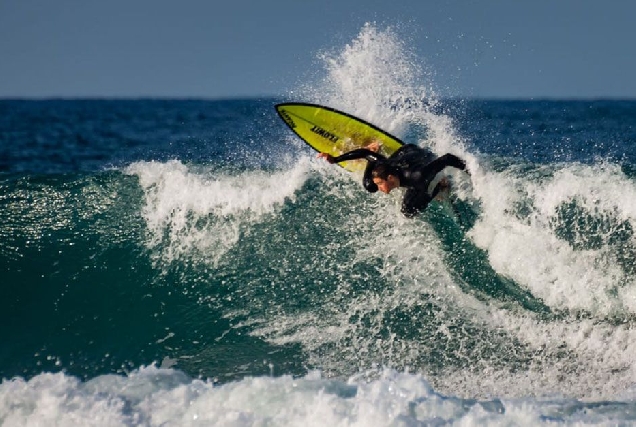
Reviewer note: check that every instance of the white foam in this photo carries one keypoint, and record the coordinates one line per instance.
(164, 397)
(528, 249)
(352, 323)
(569, 357)
(201, 211)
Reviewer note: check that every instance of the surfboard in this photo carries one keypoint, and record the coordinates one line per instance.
(328, 130)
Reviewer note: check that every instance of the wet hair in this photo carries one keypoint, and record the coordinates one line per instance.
(370, 185)
(383, 171)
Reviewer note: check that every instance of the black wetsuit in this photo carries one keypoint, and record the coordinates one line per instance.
(416, 168)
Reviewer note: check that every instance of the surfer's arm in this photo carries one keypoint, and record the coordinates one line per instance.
(437, 165)
(360, 153)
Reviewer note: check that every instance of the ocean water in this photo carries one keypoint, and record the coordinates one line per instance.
(190, 262)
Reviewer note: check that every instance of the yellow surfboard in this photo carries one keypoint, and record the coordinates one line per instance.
(331, 131)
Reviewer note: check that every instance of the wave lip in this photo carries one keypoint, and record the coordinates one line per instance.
(188, 212)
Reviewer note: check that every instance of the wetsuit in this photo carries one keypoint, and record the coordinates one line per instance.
(415, 167)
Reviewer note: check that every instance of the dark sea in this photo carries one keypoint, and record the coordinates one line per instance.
(171, 262)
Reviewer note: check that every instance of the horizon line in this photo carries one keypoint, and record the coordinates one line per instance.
(280, 97)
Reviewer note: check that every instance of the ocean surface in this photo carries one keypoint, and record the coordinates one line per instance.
(190, 262)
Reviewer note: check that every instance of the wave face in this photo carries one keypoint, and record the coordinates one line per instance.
(161, 258)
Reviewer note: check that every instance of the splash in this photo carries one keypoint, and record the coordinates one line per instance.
(562, 233)
(378, 78)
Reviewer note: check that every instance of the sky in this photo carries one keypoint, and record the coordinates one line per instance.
(256, 48)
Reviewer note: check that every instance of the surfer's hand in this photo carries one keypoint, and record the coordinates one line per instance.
(374, 146)
(464, 167)
(328, 157)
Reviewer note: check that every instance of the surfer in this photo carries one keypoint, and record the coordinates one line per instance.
(411, 167)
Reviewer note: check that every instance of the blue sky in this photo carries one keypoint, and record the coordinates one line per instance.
(237, 48)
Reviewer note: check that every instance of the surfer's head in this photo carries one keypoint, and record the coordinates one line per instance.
(385, 177)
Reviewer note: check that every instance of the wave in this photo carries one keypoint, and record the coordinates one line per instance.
(521, 284)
